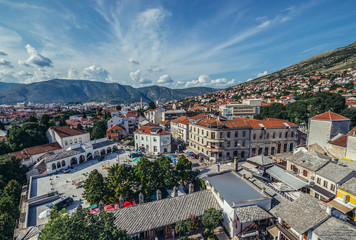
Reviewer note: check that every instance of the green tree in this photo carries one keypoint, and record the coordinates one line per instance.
(28, 135)
(97, 133)
(120, 183)
(167, 176)
(82, 226)
(351, 114)
(180, 228)
(211, 219)
(146, 176)
(62, 122)
(84, 115)
(79, 126)
(118, 108)
(275, 110)
(44, 120)
(11, 169)
(184, 169)
(32, 119)
(94, 187)
(297, 112)
(2, 126)
(151, 105)
(4, 148)
(141, 111)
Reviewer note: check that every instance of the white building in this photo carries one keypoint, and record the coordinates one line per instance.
(248, 109)
(156, 115)
(242, 203)
(128, 122)
(180, 128)
(66, 136)
(153, 139)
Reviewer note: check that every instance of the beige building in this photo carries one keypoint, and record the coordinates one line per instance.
(272, 136)
(66, 136)
(215, 139)
(179, 128)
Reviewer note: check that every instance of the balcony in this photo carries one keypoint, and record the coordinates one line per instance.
(286, 232)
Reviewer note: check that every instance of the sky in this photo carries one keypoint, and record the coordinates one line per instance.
(172, 43)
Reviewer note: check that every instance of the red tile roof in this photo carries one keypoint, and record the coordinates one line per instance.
(27, 152)
(331, 116)
(183, 120)
(352, 132)
(147, 130)
(166, 122)
(340, 141)
(115, 127)
(66, 131)
(269, 122)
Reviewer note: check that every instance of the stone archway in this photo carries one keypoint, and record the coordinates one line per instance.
(114, 148)
(81, 158)
(63, 163)
(53, 166)
(58, 164)
(102, 152)
(96, 154)
(89, 156)
(73, 161)
(108, 150)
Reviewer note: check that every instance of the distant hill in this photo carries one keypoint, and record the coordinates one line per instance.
(63, 91)
(4, 85)
(330, 61)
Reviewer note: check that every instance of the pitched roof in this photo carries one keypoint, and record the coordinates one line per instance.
(334, 172)
(352, 132)
(335, 229)
(166, 122)
(251, 213)
(115, 127)
(349, 186)
(231, 123)
(269, 122)
(201, 115)
(310, 160)
(298, 215)
(152, 215)
(27, 152)
(148, 129)
(183, 120)
(66, 131)
(340, 141)
(331, 116)
(261, 160)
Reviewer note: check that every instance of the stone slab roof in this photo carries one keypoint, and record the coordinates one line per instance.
(261, 160)
(152, 215)
(349, 186)
(251, 213)
(334, 172)
(57, 155)
(102, 144)
(28, 233)
(335, 229)
(301, 214)
(309, 160)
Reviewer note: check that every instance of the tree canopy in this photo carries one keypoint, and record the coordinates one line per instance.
(28, 135)
(151, 105)
(211, 218)
(94, 187)
(82, 226)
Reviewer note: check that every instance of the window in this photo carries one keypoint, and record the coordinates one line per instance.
(155, 148)
(66, 143)
(318, 180)
(142, 138)
(221, 135)
(243, 143)
(235, 153)
(253, 151)
(332, 187)
(80, 140)
(75, 140)
(305, 173)
(244, 134)
(286, 135)
(272, 150)
(274, 135)
(292, 134)
(228, 134)
(213, 135)
(285, 147)
(136, 137)
(235, 144)
(155, 139)
(236, 134)
(259, 151)
(261, 135)
(202, 132)
(266, 151)
(146, 138)
(70, 141)
(280, 135)
(228, 144)
(254, 136)
(325, 184)
(267, 136)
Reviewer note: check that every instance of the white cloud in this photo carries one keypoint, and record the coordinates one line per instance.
(165, 79)
(264, 24)
(138, 77)
(205, 80)
(2, 53)
(250, 79)
(262, 74)
(92, 73)
(180, 83)
(154, 69)
(134, 61)
(5, 63)
(35, 58)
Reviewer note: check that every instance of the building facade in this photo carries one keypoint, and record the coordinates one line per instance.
(153, 139)
(180, 128)
(248, 109)
(66, 136)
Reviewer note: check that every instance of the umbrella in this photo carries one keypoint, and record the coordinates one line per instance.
(190, 153)
(128, 204)
(93, 206)
(44, 214)
(137, 159)
(172, 156)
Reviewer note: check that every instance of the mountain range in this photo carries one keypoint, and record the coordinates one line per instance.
(329, 61)
(65, 91)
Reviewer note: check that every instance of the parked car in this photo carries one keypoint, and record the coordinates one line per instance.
(128, 149)
(65, 170)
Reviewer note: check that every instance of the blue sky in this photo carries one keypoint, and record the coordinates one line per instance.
(173, 43)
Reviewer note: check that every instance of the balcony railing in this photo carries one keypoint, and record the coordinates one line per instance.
(286, 232)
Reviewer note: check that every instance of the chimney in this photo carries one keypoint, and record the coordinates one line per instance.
(175, 191)
(141, 199)
(236, 164)
(121, 202)
(158, 195)
(263, 189)
(191, 188)
(243, 175)
(329, 210)
(218, 167)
